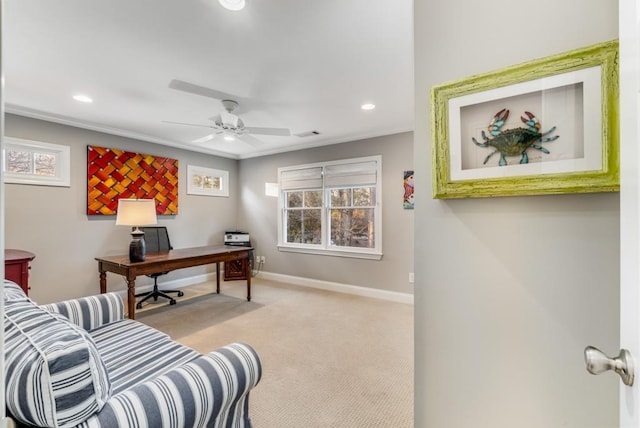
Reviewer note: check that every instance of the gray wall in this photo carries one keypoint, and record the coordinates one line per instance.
(509, 291)
(52, 222)
(258, 215)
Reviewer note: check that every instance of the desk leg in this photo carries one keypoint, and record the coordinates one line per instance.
(131, 298)
(103, 282)
(249, 273)
(218, 278)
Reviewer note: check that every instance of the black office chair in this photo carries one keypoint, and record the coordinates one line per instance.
(157, 240)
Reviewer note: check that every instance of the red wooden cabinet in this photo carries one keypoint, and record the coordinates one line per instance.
(235, 269)
(16, 267)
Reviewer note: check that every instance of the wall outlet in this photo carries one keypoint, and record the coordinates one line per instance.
(260, 259)
(410, 277)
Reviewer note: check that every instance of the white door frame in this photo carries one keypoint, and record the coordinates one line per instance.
(3, 420)
(630, 204)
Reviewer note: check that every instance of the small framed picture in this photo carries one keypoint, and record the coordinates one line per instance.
(207, 181)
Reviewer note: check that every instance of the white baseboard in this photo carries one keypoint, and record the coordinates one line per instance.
(357, 290)
(190, 280)
(173, 284)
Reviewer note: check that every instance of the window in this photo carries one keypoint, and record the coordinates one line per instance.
(35, 162)
(304, 216)
(352, 213)
(332, 208)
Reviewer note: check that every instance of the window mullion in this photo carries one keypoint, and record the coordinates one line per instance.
(32, 163)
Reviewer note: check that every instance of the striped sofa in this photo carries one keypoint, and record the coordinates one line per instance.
(81, 363)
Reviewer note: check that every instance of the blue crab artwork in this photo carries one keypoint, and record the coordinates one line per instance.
(516, 141)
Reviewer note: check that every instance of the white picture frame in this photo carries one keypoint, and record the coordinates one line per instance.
(207, 181)
(571, 102)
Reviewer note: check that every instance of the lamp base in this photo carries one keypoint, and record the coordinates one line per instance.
(137, 247)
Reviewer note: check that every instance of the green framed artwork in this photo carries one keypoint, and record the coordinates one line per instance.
(548, 126)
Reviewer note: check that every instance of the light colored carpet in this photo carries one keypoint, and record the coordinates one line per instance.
(329, 359)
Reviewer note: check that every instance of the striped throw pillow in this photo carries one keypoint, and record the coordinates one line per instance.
(13, 291)
(54, 375)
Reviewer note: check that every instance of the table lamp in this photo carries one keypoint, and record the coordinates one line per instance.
(135, 213)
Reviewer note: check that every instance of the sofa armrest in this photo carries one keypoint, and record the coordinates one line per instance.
(92, 311)
(210, 391)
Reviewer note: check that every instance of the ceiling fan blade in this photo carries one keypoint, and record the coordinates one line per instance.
(282, 132)
(190, 124)
(251, 140)
(181, 85)
(204, 139)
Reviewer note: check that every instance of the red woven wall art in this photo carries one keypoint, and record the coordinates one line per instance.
(113, 174)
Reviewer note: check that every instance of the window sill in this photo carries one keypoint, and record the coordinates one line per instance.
(335, 253)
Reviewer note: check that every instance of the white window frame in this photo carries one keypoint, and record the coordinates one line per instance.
(324, 248)
(62, 176)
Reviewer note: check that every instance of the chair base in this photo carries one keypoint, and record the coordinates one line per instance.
(155, 293)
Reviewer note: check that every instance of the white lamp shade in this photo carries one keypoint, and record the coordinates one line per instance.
(136, 212)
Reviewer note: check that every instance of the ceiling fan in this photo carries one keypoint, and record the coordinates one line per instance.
(226, 124)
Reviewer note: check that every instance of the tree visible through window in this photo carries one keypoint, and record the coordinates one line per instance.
(304, 216)
(352, 212)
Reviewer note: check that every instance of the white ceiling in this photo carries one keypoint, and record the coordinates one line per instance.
(306, 65)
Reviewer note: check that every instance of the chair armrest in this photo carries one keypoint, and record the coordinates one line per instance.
(92, 311)
(209, 391)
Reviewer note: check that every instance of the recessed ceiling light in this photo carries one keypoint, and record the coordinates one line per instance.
(232, 4)
(368, 106)
(82, 98)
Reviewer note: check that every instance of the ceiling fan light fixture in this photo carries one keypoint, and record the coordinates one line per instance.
(234, 5)
(229, 119)
(229, 137)
(83, 98)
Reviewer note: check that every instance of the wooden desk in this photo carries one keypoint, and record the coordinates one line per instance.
(168, 261)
